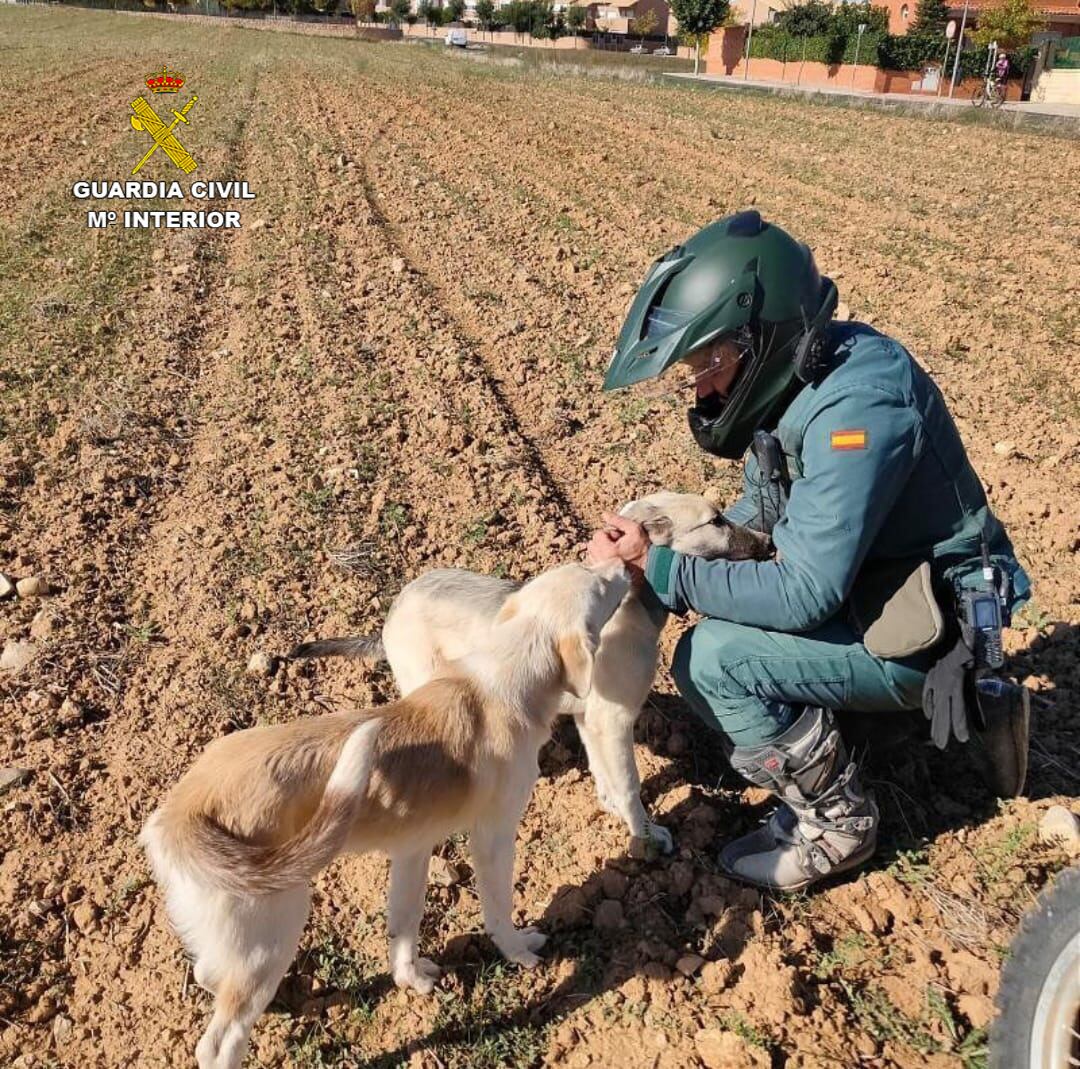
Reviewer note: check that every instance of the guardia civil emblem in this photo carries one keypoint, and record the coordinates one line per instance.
(145, 118)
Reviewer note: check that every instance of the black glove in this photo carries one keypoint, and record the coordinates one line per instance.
(944, 692)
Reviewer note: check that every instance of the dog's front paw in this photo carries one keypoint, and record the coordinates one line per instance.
(520, 946)
(420, 974)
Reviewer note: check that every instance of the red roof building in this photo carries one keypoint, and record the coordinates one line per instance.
(1062, 16)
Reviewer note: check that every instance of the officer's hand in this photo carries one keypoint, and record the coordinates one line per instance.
(621, 539)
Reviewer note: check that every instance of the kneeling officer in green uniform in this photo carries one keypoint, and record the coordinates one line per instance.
(891, 578)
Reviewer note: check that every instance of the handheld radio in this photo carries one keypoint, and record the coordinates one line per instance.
(772, 471)
(983, 613)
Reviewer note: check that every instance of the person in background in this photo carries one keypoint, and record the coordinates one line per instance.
(1001, 68)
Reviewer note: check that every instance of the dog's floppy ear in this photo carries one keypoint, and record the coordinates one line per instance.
(508, 611)
(576, 651)
(658, 526)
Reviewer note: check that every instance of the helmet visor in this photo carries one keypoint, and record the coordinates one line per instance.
(707, 364)
(662, 321)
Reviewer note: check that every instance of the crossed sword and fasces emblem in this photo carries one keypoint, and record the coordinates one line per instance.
(145, 118)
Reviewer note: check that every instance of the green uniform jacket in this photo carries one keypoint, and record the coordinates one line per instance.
(878, 474)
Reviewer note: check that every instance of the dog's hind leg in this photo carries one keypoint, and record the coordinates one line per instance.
(611, 727)
(257, 941)
(408, 882)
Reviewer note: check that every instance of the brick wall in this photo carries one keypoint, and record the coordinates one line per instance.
(902, 82)
(725, 57)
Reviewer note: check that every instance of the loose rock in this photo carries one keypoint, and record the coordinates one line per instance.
(689, 964)
(13, 777)
(84, 916)
(680, 877)
(70, 714)
(1061, 827)
(444, 873)
(32, 587)
(43, 625)
(7, 587)
(261, 664)
(17, 655)
(61, 1029)
(716, 976)
(608, 915)
(978, 1009)
(569, 907)
(725, 1050)
(643, 849)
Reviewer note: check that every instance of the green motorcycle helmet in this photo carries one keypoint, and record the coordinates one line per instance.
(741, 278)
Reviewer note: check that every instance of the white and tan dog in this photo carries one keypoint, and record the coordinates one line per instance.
(236, 842)
(445, 613)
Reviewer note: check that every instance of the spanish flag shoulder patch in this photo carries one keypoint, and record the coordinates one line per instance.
(856, 439)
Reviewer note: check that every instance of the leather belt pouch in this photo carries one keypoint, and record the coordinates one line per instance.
(894, 609)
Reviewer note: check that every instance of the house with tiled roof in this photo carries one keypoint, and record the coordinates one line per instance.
(1062, 16)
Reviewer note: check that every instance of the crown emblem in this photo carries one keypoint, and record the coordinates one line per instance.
(165, 82)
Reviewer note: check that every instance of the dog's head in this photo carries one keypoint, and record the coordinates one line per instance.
(569, 606)
(690, 524)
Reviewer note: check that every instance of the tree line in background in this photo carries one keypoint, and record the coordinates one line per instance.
(814, 30)
(538, 18)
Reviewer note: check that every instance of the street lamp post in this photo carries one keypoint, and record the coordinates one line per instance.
(749, 38)
(858, 45)
(959, 46)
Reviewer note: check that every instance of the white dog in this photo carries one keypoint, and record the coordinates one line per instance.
(236, 842)
(445, 613)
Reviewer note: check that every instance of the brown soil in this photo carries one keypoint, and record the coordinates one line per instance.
(214, 444)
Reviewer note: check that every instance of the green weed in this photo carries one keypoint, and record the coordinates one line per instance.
(143, 633)
(633, 411)
(737, 1023)
(997, 857)
(484, 1025)
(848, 950)
(335, 1047)
(340, 968)
(317, 502)
(912, 867)
(394, 517)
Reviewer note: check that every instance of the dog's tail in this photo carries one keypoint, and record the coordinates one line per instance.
(204, 851)
(363, 648)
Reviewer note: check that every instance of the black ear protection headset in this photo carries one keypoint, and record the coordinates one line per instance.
(810, 348)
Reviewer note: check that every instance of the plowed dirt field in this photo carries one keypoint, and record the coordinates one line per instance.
(218, 443)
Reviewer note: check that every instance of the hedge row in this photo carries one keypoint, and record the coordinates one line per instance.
(914, 51)
(768, 43)
(909, 52)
